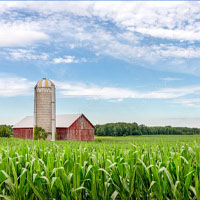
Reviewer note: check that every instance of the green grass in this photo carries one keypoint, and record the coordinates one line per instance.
(139, 167)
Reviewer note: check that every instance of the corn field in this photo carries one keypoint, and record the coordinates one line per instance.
(99, 170)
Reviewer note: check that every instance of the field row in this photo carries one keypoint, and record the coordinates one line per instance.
(98, 170)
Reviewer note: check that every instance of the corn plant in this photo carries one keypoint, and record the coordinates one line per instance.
(99, 170)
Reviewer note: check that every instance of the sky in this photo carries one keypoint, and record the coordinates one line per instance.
(113, 61)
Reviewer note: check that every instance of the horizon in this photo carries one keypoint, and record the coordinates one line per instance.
(112, 61)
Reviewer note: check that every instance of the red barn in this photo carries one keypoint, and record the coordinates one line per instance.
(68, 127)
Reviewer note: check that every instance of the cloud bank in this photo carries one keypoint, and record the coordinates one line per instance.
(148, 32)
(17, 86)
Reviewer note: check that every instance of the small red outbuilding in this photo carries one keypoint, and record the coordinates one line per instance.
(68, 127)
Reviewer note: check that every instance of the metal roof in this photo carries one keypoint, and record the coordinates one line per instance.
(44, 83)
(62, 121)
(66, 120)
(27, 122)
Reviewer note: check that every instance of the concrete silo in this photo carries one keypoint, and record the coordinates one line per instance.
(45, 106)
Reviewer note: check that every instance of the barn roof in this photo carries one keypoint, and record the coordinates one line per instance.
(27, 122)
(66, 120)
(62, 121)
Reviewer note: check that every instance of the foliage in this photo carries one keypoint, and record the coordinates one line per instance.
(153, 167)
(40, 133)
(125, 129)
(5, 131)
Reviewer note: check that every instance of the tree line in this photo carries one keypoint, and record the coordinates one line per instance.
(126, 129)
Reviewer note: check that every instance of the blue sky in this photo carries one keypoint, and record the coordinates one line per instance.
(113, 61)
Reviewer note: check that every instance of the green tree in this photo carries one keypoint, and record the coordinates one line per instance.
(5, 131)
(40, 133)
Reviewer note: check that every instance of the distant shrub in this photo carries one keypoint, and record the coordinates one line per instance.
(137, 132)
(5, 131)
(40, 133)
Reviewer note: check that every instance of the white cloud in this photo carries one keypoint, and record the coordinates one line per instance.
(115, 100)
(170, 79)
(15, 86)
(25, 54)
(117, 29)
(170, 20)
(20, 34)
(176, 52)
(97, 92)
(169, 34)
(192, 102)
(68, 59)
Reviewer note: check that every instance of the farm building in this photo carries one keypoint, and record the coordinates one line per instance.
(68, 127)
(45, 106)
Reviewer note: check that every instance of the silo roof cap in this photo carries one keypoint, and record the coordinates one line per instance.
(45, 83)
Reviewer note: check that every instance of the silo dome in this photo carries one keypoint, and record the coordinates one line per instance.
(45, 106)
(45, 83)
